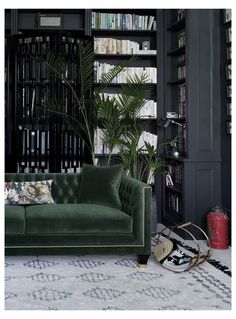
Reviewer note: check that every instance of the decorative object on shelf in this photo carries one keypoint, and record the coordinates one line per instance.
(146, 45)
(175, 259)
(172, 115)
(217, 224)
(52, 21)
(178, 140)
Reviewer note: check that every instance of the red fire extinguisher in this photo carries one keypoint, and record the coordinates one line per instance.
(217, 224)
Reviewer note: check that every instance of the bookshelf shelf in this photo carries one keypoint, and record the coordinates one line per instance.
(151, 85)
(176, 189)
(176, 82)
(123, 56)
(108, 32)
(177, 26)
(227, 24)
(177, 51)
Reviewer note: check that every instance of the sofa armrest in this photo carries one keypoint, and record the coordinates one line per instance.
(136, 199)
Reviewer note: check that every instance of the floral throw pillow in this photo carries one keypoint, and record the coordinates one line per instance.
(28, 193)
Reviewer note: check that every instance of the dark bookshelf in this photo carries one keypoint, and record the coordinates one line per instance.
(226, 112)
(141, 60)
(199, 155)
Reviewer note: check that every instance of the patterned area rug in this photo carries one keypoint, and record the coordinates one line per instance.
(111, 283)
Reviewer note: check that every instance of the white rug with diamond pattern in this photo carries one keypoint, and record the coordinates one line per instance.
(110, 283)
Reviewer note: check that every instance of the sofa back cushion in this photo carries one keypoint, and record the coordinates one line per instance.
(65, 186)
(100, 185)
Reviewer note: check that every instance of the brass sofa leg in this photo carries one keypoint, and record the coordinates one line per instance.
(142, 260)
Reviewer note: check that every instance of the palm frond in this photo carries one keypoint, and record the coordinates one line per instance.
(57, 64)
(86, 58)
(133, 94)
(108, 77)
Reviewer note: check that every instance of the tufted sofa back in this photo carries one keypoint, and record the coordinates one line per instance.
(65, 186)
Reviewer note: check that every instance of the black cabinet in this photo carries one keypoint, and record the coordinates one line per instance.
(193, 93)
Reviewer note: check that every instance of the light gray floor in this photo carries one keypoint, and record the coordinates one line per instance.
(223, 255)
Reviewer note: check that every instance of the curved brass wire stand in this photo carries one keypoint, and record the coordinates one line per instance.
(199, 257)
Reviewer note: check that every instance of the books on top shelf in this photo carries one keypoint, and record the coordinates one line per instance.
(100, 68)
(119, 46)
(227, 15)
(180, 14)
(101, 148)
(122, 21)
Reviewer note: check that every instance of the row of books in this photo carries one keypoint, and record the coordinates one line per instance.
(174, 175)
(149, 109)
(30, 98)
(174, 202)
(181, 38)
(122, 21)
(228, 53)
(181, 59)
(181, 72)
(228, 71)
(42, 45)
(27, 167)
(228, 91)
(100, 68)
(228, 32)
(181, 93)
(182, 109)
(101, 148)
(119, 46)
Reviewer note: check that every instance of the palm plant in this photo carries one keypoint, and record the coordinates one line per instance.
(120, 120)
(118, 115)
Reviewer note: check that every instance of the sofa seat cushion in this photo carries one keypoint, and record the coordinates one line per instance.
(76, 218)
(14, 219)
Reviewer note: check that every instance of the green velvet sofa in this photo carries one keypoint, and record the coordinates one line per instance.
(70, 227)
